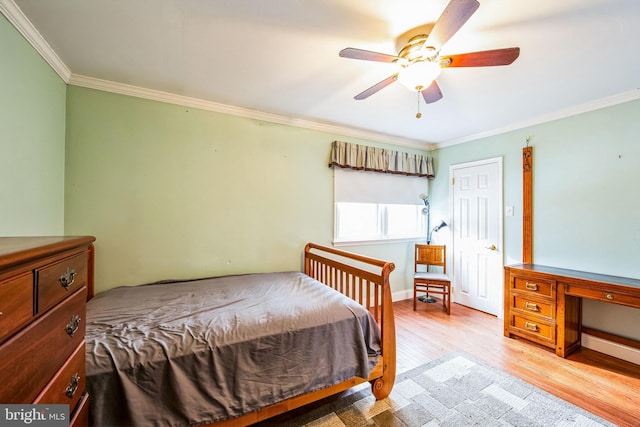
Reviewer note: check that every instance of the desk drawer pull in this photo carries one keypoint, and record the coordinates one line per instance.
(67, 278)
(531, 326)
(531, 286)
(609, 296)
(531, 306)
(73, 325)
(73, 386)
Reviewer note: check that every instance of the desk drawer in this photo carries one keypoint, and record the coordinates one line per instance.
(614, 297)
(69, 382)
(534, 329)
(57, 281)
(534, 307)
(16, 304)
(29, 359)
(545, 288)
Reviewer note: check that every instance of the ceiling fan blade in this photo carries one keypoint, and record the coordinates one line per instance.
(432, 93)
(366, 55)
(376, 87)
(453, 17)
(486, 58)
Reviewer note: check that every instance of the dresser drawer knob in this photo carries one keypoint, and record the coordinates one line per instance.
(609, 296)
(531, 286)
(73, 325)
(531, 326)
(531, 306)
(67, 279)
(73, 386)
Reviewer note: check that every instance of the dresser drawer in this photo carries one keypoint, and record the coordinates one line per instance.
(68, 385)
(80, 418)
(534, 307)
(29, 359)
(59, 280)
(533, 286)
(534, 329)
(16, 304)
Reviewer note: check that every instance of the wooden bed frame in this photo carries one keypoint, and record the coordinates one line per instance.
(365, 280)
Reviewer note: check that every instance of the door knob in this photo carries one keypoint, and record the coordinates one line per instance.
(491, 248)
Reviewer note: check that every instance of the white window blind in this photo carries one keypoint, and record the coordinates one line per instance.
(373, 187)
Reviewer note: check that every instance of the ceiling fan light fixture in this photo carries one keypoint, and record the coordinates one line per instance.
(418, 62)
(419, 75)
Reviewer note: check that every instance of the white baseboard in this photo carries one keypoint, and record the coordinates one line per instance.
(400, 295)
(620, 351)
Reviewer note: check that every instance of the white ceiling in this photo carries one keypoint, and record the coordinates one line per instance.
(280, 57)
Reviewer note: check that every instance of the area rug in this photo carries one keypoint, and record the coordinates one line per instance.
(455, 390)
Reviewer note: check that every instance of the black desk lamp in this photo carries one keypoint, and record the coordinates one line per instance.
(435, 230)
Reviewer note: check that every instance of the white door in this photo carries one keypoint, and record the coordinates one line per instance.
(477, 235)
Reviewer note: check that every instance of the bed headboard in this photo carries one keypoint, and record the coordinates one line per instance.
(363, 279)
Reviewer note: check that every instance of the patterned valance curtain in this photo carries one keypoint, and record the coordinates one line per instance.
(363, 157)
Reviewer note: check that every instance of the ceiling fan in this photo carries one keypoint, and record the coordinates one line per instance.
(419, 53)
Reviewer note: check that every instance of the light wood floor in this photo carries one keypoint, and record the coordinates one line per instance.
(607, 387)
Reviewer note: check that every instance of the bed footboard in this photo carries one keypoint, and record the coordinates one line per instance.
(366, 281)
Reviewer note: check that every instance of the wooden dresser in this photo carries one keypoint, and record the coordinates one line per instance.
(544, 304)
(43, 294)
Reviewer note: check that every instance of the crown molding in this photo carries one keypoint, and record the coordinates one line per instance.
(586, 107)
(14, 15)
(156, 95)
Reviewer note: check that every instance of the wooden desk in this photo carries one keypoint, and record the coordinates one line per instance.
(544, 304)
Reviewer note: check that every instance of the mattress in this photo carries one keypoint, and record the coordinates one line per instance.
(195, 352)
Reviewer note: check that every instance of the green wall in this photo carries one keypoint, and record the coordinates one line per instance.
(585, 197)
(32, 139)
(175, 192)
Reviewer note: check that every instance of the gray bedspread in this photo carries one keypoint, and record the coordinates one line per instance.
(189, 353)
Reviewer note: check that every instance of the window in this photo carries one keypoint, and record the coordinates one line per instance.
(378, 207)
(357, 222)
(404, 221)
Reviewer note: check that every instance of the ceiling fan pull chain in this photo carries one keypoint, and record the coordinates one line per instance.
(419, 114)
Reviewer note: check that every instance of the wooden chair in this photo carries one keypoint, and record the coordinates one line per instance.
(433, 283)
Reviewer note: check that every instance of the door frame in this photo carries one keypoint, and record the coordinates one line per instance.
(500, 210)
